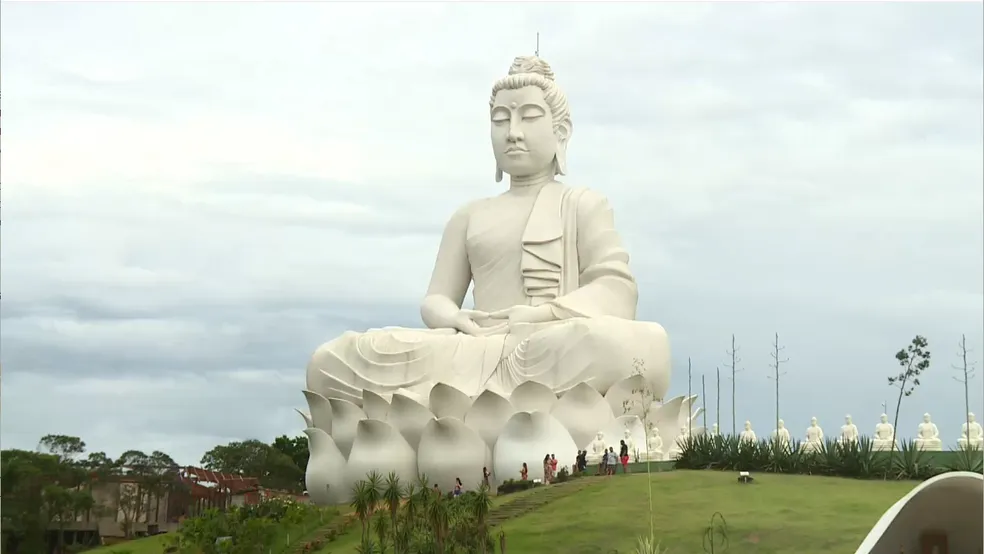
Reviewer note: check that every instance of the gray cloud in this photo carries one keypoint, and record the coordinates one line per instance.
(187, 217)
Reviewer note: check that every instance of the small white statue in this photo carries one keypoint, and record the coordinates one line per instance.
(781, 434)
(814, 437)
(928, 437)
(598, 449)
(971, 434)
(679, 443)
(655, 445)
(714, 430)
(747, 435)
(627, 437)
(884, 433)
(849, 432)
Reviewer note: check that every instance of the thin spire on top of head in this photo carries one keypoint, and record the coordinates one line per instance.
(537, 51)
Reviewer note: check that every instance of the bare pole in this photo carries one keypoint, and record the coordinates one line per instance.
(776, 362)
(690, 408)
(703, 400)
(537, 51)
(717, 412)
(967, 370)
(735, 360)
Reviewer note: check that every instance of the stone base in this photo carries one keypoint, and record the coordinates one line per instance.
(974, 444)
(929, 445)
(810, 447)
(652, 457)
(882, 445)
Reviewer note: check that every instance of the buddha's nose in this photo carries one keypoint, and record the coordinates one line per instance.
(515, 135)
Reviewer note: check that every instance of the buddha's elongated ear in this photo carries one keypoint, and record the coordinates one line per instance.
(563, 134)
(498, 174)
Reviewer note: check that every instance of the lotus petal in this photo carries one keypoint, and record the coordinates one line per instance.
(345, 419)
(666, 418)
(526, 438)
(583, 412)
(381, 448)
(307, 418)
(615, 432)
(447, 401)
(488, 413)
(533, 397)
(325, 475)
(625, 397)
(375, 406)
(408, 417)
(417, 394)
(450, 449)
(321, 414)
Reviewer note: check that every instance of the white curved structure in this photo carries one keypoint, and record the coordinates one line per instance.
(325, 476)
(527, 438)
(449, 449)
(951, 503)
(554, 328)
(381, 448)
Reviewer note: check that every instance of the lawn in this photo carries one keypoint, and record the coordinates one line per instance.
(776, 514)
(147, 545)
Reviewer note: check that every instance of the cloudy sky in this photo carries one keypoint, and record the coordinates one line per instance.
(197, 195)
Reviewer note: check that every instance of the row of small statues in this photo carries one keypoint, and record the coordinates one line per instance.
(927, 438)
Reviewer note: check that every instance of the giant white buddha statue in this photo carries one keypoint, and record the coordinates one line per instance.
(554, 298)
(971, 434)
(780, 435)
(928, 435)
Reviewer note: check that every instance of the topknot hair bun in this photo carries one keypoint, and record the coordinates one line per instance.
(531, 64)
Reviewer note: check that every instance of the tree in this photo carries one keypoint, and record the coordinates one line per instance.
(254, 458)
(914, 360)
(967, 371)
(66, 447)
(642, 399)
(776, 362)
(735, 360)
(295, 448)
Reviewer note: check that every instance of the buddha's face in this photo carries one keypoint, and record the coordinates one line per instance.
(748, 425)
(847, 420)
(970, 418)
(884, 418)
(523, 139)
(813, 422)
(925, 418)
(782, 424)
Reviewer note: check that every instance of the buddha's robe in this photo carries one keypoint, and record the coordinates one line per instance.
(555, 246)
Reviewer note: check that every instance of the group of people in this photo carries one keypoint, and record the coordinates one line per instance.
(459, 488)
(606, 466)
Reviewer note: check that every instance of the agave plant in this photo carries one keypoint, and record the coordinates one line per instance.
(967, 458)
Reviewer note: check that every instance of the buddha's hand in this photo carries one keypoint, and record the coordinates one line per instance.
(464, 321)
(525, 314)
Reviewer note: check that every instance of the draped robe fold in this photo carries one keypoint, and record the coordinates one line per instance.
(571, 259)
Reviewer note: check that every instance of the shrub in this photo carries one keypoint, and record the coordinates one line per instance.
(858, 461)
(562, 475)
(514, 485)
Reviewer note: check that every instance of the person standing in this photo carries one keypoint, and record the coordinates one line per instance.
(623, 456)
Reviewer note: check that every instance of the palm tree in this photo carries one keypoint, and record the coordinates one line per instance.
(361, 503)
(481, 505)
(439, 519)
(393, 496)
(374, 482)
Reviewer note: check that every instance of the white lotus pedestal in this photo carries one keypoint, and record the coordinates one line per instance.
(408, 438)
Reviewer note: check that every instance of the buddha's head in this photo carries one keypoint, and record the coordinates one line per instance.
(748, 425)
(627, 434)
(970, 417)
(715, 427)
(813, 422)
(884, 418)
(782, 424)
(600, 436)
(531, 121)
(847, 419)
(926, 418)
